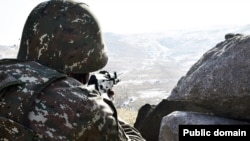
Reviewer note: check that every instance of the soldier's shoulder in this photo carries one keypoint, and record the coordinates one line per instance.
(28, 71)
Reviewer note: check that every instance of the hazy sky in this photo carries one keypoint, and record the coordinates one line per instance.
(131, 16)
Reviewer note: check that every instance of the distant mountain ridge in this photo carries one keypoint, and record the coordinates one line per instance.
(8, 51)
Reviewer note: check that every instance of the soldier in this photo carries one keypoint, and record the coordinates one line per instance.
(38, 99)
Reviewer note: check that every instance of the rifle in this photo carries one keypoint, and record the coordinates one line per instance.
(103, 81)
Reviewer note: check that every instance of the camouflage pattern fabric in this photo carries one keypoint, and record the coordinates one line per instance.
(13, 131)
(62, 108)
(63, 35)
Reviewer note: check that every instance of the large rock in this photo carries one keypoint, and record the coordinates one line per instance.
(169, 130)
(220, 80)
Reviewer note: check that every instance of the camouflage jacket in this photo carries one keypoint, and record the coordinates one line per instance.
(38, 103)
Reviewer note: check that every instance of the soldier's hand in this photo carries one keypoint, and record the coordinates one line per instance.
(111, 94)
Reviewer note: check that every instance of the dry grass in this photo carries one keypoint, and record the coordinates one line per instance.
(127, 115)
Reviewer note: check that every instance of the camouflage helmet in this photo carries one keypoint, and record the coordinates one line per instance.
(63, 35)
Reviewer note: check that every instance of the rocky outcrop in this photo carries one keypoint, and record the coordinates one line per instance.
(218, 84)
(220, 80)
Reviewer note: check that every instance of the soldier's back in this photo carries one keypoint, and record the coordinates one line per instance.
(38, 103)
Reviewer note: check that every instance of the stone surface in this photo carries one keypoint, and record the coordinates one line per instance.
(220, 80)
